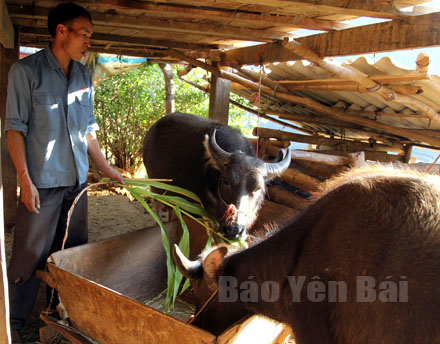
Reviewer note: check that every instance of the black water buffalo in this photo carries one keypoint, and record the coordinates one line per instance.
(215, 162)
(360, 265)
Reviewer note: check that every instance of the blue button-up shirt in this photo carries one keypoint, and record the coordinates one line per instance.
(54, 114)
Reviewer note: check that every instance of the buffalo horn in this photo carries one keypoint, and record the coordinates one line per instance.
(219, 155)
(277, 168)
(189, 269)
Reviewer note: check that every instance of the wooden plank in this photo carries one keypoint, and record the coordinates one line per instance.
(66, 331)
(369, 155)
(112, 39)
(256, 329)
(5, 332)
(408, 33)
(7, 58)
(332, 160)
(6, 28)
(8, 193)
(300, 180)
(377, 9)
(148, 24)
(104, 285)
(221, 15)
(282, 196)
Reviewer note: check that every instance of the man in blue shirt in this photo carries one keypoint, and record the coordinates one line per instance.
(50, 127)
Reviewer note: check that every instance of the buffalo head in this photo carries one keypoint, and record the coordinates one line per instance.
(239, 186)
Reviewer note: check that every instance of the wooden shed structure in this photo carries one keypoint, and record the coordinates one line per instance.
(358, 106)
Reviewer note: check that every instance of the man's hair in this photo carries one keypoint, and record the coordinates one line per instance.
(63, 14)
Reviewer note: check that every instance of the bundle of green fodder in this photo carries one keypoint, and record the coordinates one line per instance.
(181, 310)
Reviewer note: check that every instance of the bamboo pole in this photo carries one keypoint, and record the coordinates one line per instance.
(403, 89)
(263, 115)
(383, 79)
(319, 140)
(362, 79)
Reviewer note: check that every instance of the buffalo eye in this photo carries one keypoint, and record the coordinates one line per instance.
(224, 181)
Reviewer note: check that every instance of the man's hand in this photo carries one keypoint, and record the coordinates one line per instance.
(29, 194)
(110, 172)
(100, 161)
(29, 197)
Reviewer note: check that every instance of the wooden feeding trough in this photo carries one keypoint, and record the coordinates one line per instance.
(104, 286)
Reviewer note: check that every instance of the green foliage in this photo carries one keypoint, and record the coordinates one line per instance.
(191, 207)
(126, 105)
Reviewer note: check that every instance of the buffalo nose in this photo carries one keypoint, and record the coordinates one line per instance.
(233, 230)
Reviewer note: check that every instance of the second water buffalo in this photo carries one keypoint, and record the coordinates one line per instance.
(214, 161)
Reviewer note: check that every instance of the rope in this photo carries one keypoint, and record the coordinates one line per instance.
(432, 165)
(69, 214)
(192, 318)
(259, 108)
(66, 234)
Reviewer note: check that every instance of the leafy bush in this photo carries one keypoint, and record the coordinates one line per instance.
(126, 105)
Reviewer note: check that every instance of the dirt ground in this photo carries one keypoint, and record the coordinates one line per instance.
(111, 212)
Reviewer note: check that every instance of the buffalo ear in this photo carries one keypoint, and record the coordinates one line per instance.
(213, 262)
(190, 269)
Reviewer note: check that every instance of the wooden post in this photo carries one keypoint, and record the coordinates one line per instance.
(169, 87)
(9, 190)
(219, 99)
(7, 58)
(5, 333)
(407, 153)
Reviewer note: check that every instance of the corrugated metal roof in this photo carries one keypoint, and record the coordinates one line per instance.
(367, 105)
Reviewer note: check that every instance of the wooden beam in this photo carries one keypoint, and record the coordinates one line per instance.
(222, 15)
(201, 29)
(107, 48)
(377, 9)
(407, 33)
(116, 39)
(148, 24)
(6, 28)
(300, 180)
